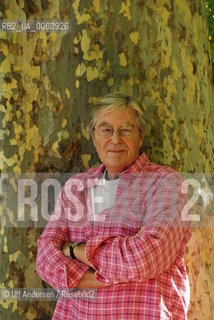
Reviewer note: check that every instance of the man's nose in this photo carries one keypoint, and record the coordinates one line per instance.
(115, 138)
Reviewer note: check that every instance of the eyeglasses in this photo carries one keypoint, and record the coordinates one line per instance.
(107, 131)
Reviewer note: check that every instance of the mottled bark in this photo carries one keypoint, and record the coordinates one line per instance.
(156, 50)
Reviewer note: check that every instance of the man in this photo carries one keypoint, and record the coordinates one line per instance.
(117, 228)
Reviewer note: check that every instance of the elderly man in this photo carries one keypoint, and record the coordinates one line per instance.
(117, 228)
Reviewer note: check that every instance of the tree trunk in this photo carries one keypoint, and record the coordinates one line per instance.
(156, 50)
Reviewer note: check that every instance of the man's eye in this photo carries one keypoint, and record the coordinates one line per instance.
(126, 130)
(106, 130)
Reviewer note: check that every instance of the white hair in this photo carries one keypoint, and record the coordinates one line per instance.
(117, 102)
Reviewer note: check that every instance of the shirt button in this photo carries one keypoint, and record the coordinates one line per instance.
(107, 280)
(101, 270)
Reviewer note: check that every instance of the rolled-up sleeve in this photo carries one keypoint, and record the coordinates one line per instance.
(51, 265)
(161, 239)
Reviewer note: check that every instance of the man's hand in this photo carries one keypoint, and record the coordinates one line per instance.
(66, 249)
(89, 281)
(79, 252)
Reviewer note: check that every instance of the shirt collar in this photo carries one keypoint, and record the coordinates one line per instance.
(135, 167)
(138, 165)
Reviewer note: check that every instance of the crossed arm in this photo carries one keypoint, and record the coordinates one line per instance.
(88, 280)
(109, 260)
(53, 263)
(57, 268)
(161, 239)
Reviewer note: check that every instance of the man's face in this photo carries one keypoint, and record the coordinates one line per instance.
(119, 150)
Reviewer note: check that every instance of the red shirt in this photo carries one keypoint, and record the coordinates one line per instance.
(137, 246)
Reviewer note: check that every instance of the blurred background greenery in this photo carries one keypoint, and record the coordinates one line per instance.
(210, 17)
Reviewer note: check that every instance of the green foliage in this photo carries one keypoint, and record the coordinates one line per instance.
(210, 18)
